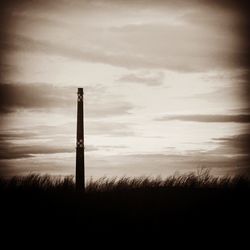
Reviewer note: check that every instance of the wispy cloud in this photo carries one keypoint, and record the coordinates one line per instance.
(238, 144)
(143, 78)
(183, 45)
(207, 118)
(42, 96)
(15, 151)
(31, 96)
(109, 128)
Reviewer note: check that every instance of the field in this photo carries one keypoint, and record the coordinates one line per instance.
(192, 203)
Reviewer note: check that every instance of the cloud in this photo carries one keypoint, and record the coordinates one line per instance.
(143, 164)
(23, 143)
(106, 108)
(91, 148)
(167, 164)
(86, 53)
(145, 79)
(207, 118)
(19, 144)
(151, 46)
(241, 110)
(31, 96)
(15, 151)
(236, 88)
(44, 97)
(185, 48)
(194, 44)
(109, 128)
(238, 144)
(17, 135)
(237, 149)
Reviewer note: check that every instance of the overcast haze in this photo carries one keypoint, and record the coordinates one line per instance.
(166, 86)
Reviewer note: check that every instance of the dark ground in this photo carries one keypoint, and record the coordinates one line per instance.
(193, 206)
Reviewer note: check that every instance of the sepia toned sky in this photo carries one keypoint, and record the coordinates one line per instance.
(166, 86)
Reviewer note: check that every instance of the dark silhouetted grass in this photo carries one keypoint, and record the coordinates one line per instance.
(139, 205)
(202, 180)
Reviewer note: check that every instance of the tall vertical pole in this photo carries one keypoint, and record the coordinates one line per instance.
(80, 176)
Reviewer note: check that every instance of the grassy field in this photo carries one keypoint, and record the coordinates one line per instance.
(193, 202)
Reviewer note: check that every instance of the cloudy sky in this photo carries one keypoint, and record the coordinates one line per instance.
(166, 86)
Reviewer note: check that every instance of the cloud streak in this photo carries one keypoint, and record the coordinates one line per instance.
(207, 118)
(13, 151)
(107, 128)
(30, 96)
(238, 144)
(186, 47)
(149, 80)
(44, 97)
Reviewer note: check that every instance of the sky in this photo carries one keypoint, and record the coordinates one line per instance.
(166, 86)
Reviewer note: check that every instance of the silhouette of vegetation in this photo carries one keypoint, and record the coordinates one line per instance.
(140, 205)
(202, 180)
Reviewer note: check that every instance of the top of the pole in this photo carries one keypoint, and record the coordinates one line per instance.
(80, 91)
